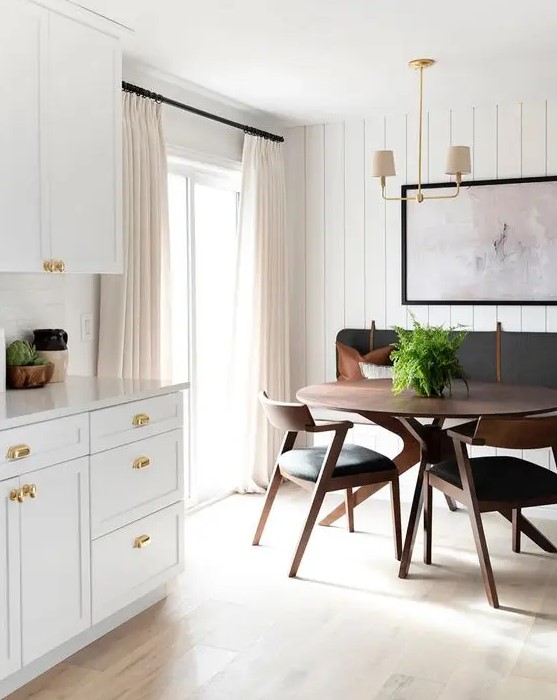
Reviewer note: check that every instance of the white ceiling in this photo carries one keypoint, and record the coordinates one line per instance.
(318, 60)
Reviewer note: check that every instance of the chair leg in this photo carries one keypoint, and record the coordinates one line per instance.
(428, 519)
(451, 503)
(483, 555)
(413, 521)
(318, 496)
(397, 521)
(272, 490)
(516, 529)
(469, 489)
(349, 500)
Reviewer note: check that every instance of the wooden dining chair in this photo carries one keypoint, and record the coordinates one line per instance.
(323, 469)
(495, 483)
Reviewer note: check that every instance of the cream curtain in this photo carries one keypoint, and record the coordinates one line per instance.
(134, 309)
(260, 357)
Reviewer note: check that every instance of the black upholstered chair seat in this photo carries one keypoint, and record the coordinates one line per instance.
(502, 478)
(306, 463)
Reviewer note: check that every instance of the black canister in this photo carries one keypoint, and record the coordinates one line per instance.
(52, 343)
(50, 339)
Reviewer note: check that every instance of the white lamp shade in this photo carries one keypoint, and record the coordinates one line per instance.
(382, 164)
(458, 160)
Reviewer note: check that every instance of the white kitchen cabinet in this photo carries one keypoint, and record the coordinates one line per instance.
(84, 143)
(60, 141)
(55, 557)
(10, 623)
(24, 234)
(91, 514)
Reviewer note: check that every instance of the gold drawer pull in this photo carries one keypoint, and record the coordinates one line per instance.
(140, 419)
(18, 452)
(142, 541)
(142, 463)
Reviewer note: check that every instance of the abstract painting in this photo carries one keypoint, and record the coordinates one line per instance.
(496, 243)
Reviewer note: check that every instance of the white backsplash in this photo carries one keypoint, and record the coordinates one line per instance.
(29, 301)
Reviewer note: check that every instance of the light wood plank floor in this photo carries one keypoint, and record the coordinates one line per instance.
(234, 627)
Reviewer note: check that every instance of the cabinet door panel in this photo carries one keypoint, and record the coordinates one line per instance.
(84, 76)
(23, 235)
(10, 631)
(55, 557)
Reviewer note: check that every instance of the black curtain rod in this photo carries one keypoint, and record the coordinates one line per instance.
(128, 87)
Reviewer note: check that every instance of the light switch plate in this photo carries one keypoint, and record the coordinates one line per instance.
(86, 328)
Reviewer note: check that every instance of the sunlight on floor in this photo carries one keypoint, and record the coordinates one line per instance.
(234, 627)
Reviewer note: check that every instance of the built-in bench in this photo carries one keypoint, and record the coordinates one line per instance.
(487, 356)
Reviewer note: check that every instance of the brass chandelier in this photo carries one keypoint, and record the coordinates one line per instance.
(458, 157)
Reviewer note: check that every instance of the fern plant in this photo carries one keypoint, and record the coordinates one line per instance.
(426, 360)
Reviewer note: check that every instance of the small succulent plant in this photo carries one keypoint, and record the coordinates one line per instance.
(21, 353)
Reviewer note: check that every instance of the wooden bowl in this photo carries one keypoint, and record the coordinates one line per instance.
(31, 377)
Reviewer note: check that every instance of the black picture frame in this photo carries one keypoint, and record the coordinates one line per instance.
(407, 190)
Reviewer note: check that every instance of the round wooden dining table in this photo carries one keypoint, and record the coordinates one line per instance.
(373, 400)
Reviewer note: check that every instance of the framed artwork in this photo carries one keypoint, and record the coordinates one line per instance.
(496, 243)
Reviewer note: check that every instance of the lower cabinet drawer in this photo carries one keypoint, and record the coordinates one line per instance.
(130, 562)
(132, 481)
(43, 444)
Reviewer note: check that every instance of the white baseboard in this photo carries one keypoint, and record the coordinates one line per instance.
(46, 662)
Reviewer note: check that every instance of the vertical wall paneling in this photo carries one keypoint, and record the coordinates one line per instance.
(395, 139)
(509, 151)
(533, 139)
(334, 242)
(484, 151)
(534, 319)
(315, 255)
(354, 224)
(375, 229)
(551, 137)
(295, 146)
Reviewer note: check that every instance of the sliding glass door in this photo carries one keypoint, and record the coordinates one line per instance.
(203, 208)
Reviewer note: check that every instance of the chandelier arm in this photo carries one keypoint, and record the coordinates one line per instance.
(397, 199)
(445, 196)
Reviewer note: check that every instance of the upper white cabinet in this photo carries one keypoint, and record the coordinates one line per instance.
(84, 137)
(60, 142)
(23, 234)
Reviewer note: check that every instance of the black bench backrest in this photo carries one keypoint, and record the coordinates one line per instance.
(478, 352)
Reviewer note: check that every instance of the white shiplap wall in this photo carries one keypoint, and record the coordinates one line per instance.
(345, 240)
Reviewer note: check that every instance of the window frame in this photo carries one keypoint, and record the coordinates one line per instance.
(222, 174)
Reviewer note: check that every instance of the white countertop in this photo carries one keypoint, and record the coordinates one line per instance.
(76, 395)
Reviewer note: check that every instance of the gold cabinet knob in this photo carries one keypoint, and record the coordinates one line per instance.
(17, 495)
(140, 419)
(48, 266)
(60, 266)
(30, 490)
(18, 452)
(141, 463)
(141, 542)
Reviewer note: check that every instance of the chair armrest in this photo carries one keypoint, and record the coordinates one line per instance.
(465, 433)
(330, 427)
